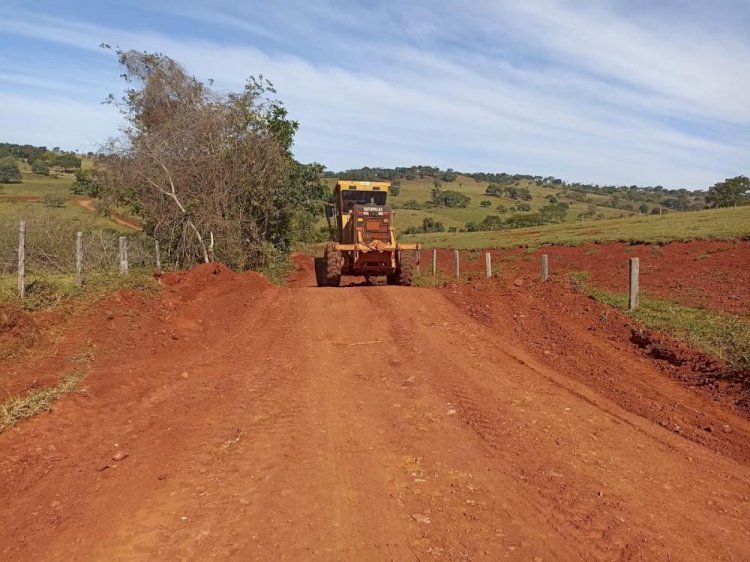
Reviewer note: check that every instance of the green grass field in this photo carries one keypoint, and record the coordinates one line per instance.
(13, 210)
(716, 224)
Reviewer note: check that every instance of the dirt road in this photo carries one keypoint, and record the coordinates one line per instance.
(360, 423)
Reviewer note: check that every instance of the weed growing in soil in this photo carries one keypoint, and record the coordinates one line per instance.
(719, 334)
(47, 291)
(36, 401)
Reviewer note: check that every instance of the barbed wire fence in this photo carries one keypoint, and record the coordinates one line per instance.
(38, 249)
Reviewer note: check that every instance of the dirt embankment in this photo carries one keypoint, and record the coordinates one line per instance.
(234, 420)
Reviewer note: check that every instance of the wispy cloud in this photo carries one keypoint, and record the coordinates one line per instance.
(602, 91)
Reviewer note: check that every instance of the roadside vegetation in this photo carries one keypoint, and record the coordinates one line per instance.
(715, 333)
(36, 401)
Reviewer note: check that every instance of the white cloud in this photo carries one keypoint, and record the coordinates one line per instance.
(589, 95)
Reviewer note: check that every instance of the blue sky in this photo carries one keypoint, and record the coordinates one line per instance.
(605, 91)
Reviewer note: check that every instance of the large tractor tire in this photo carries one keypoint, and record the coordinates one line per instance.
(320, 272)
(407, 266)
(333, 266)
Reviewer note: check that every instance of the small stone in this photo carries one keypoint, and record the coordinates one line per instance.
(184, 374)
(119, 456)
(419, 518)
(518, 282)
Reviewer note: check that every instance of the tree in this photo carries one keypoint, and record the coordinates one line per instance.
(555, 213)
(395, 189)
(485, 203)
(729, 193)
(199, 164)
(87, 183)
(40, 167)
(643, 208)
(494, 190)
(450, 198)
(9, 172)
(67, 162)
(523, 207)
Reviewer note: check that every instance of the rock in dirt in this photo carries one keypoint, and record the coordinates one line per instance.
(419, 518)
(518, 282)
(120, 456)
(184, 374)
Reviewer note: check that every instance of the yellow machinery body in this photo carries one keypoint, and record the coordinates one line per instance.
(363, 236)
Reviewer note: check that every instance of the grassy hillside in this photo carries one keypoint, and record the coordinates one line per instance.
(420, 191)
(32, 198)
(718, 224)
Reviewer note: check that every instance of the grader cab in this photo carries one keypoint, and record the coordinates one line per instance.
(363, 237)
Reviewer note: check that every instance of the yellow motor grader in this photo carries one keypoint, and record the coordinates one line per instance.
(363, 238)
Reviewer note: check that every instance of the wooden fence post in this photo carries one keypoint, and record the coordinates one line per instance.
(419, 255)
(22, 259)
(79, 259)
(123, 255)
(633, 299)
(158, 256)
(458, 263)
(211, 248)
(434, 262)
(488, 264)
(545, 267)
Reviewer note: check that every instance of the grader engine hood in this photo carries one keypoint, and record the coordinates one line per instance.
(372, 223)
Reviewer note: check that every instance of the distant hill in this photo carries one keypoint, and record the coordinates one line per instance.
(428, 199)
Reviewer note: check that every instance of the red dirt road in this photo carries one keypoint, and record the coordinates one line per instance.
(360, 423)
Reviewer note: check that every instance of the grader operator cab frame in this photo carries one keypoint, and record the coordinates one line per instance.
(363, 238)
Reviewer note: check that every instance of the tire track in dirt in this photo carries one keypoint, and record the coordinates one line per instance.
(575, 453)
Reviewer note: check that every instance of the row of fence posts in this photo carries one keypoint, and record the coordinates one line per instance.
(122, 258)
(633, 287)
(633, 290)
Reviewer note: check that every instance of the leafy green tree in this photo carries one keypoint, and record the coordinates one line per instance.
(67, 162)
(556, 213)
(729, 193)
(40, 167)
(524, 220)
(87, 183)
(450, 198)
(9, 171)
(643, 208)
(395, 189)
(485, 203)
(523, 207)
(431, 225)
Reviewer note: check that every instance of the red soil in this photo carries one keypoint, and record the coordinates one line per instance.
(230, 419)
(713, 275)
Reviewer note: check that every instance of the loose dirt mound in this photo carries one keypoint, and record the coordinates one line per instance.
(17, 329)
(211, 280)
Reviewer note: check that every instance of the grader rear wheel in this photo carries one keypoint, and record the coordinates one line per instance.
(406, 269)
(333, 265)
